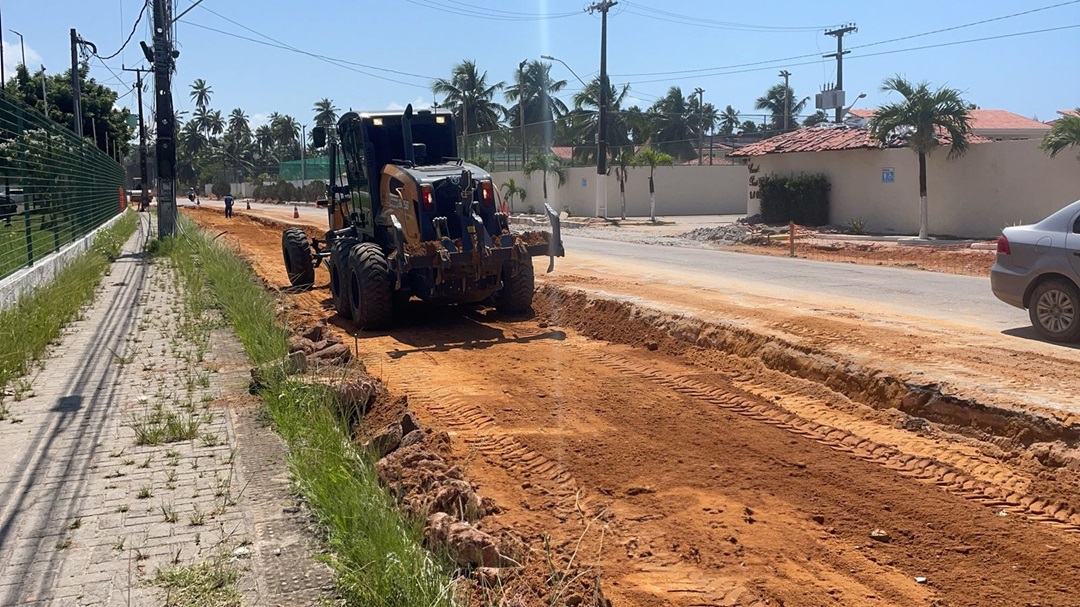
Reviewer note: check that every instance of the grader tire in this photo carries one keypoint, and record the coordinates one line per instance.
(339, 275)
(297, 255)
(370, 292)
(516, 294)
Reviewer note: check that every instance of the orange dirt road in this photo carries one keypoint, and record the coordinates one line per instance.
(697, 464)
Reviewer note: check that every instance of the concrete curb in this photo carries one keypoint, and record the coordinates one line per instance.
(45, 270)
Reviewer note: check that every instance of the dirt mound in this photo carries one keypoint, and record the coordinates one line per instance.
(736, 233)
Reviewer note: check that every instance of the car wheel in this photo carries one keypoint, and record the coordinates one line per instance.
(1055, 310)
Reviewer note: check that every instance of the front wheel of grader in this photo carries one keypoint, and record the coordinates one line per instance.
(299, 264)
(519, 284)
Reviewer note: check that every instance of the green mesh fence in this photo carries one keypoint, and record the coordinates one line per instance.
(54, 186)
(311, 168)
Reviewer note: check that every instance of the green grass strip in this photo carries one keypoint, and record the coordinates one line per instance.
(377, 554)
(39, 315)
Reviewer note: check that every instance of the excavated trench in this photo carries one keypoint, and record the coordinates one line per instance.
(671, 460)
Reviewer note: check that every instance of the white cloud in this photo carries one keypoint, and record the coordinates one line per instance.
(258, 119)
(418, 104)
(13, 57)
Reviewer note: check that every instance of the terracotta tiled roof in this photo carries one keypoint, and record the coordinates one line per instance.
(565, 152)
(812, 139)
(828, 139)
(1069, 113)
(983, 120)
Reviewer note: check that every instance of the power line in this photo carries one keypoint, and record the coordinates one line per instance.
(862, 56)
(487, 13)
(662, 15)
(808, 55)
(130, 36)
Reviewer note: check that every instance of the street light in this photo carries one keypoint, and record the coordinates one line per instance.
(845, 111)
(550, 58)
(22, 47)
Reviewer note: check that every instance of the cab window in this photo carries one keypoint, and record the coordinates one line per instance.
(354, 159)
(1076, 225)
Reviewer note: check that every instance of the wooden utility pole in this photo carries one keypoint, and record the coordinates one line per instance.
(700, 92)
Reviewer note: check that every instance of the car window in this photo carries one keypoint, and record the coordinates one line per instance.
(1076, 225)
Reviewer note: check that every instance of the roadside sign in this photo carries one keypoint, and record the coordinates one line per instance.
(888, 175)
(584, 182)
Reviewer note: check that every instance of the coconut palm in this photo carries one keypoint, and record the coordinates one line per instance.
(471, 99)
(239, 127)
(1065, 133)
(780, 101)
(201, 93)
(584, 119)
(286, 134)
(729, 121)
(512, 190)
(652, 158)
(542, 108)
(922, 120)
(622, 162)
(326, 114)
(816, 118)
(548, 164)
(674, 125)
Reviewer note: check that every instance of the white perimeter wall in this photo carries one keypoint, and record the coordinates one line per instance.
(993, 186)
(680, 190)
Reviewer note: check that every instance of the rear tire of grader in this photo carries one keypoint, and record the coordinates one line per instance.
(516, 294)
(371, 299)
(296, 252)
(339, 275)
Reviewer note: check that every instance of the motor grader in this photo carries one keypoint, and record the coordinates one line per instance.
(412, 219)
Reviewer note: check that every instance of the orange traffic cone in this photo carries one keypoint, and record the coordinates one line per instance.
(295, 212)
(249, 205)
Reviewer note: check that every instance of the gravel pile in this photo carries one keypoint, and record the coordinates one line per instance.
(730, 234)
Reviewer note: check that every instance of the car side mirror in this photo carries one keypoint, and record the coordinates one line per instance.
(318, 136)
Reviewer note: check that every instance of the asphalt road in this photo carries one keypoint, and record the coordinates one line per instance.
(962, 300)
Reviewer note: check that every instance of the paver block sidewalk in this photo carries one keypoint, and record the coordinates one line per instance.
(87, 515)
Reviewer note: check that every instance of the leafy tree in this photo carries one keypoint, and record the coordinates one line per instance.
(776, 102)
(621, 164)
(653, 158)
(1065, 133)
(200, 93)
(542, 108)
(512, 190)
(920, 119)
(816, 118)
(548, 164)
(471, 99)
(748, 126)
(729, 121)
(98, 104)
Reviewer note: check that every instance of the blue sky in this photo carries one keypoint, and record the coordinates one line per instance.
(1033, 75)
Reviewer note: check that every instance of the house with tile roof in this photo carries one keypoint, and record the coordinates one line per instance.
(998, 182)
(999, 125)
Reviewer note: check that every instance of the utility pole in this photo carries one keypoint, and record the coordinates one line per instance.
(165, 118)
(521, 108)
(601, 140)
(839, 55)
(3, 77)
(44, 92)
(787, 99)
(76, 84)
(144, 178)
(700, 92)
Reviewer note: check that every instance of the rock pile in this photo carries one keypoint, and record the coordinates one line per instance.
(735, 233)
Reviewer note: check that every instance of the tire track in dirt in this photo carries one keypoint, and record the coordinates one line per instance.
(1000, 491)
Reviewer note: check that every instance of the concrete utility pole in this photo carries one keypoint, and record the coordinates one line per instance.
(601, 141)
(521, 108)
(144, 194)
(700, 92)
(165, 118)
(839, 55)
(44, 92)
(787, 99)
(76, 84)
(3, 77)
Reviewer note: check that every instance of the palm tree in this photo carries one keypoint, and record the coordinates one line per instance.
(729, 120)
(1065, 133)
(286, 134)
(674, 125)
(923, 117)
(584, 120)
(201, 92)
(816, 118)
(325, 113)
(652, 158)
(542, 107)
(622, 163)
(548, 164)
(471, 99)
(239, 126)
(511, 190)
(779, 101)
